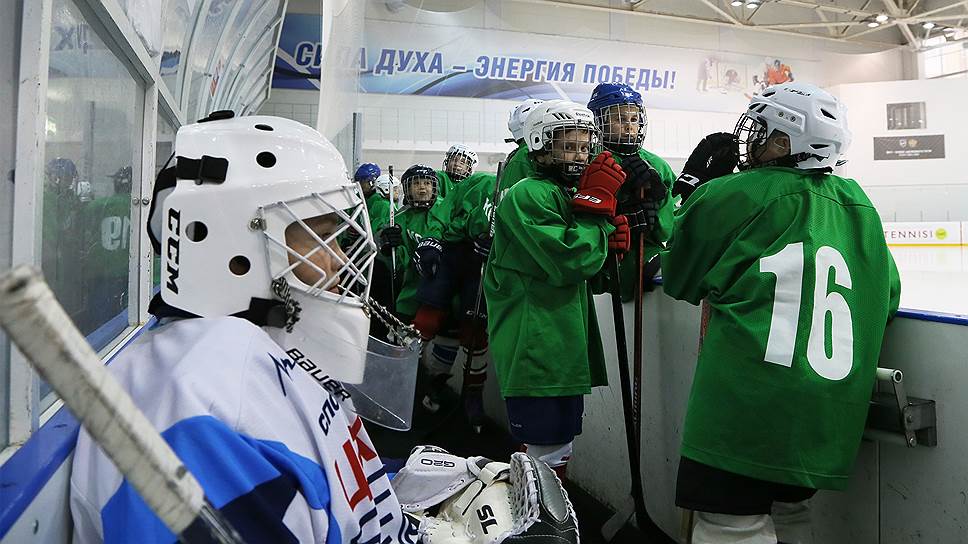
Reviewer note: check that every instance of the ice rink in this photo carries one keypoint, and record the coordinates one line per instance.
(933, 278)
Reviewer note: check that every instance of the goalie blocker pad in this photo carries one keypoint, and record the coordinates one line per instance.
(475, 500)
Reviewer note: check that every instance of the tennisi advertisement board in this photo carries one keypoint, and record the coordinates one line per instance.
(417, 59)
(929, 233)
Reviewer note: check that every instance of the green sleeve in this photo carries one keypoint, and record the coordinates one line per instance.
(518, 167)
(378, 209)
(666, 212)
(445, 185)
(469, 217)
(703, 229)
(539, 236)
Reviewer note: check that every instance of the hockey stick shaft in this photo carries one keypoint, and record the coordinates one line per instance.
(469, 350)
(41, 329)
(393, 250)
(621, 344)
(637, 335)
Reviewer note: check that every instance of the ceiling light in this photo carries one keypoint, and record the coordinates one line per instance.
(873, 24)
(881, 18)
(736, 3)
(928, 25)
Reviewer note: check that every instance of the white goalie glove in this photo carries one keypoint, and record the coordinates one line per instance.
(475, 500)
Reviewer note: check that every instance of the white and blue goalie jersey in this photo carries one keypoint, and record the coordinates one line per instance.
(284, 459)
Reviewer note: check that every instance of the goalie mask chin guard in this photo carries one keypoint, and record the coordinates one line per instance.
(243, 185)
(459, 162)
(814, 120)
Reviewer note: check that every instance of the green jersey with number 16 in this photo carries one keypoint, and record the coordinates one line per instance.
(801, 285)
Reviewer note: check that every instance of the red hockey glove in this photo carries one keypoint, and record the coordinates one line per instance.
(598, 185)
(620, 241)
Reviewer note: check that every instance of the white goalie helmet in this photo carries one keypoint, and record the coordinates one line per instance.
(546, 128)
(518, 115)
(814, 120)
(247, 189)
(459, 162)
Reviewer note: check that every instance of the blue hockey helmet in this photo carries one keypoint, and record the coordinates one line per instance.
(366, 172)
(620, 116)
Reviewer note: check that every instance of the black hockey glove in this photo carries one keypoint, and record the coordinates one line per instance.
(390, 237)
(482, 247)
(642, 216)
(641, 175)
(715, 156)
(427, 257)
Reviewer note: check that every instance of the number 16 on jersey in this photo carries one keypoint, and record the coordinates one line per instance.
(788, 267)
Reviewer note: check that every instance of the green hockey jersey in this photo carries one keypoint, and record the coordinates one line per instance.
(541, 319)
(628, 269)
(444, 184)
(416, 224)
(469, 206)
(800, 284)
(517, 167)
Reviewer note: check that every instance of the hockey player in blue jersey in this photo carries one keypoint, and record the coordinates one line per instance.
(261, 319)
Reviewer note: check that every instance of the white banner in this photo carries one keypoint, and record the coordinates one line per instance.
(926, 233)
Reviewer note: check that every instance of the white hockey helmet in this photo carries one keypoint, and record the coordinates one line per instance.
(518, 115)
(545, 128)
(242, 185)
(814, 120)
(459, 162)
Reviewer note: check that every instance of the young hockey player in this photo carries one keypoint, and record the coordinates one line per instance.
(801, 285)
(377, 205)
(517, 166)
(552, 234)
(459, 163)
(646, 198)
(261, 319)
(466, 241)
(416, 235)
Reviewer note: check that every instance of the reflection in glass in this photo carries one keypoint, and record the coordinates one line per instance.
(93, 153)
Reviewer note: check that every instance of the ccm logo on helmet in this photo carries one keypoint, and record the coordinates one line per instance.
(437, 463)
(171, 249)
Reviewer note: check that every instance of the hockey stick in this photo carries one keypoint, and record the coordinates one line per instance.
(43, 332)
(617, 521)
(393, 250)
(469, 350)
(637, 336)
